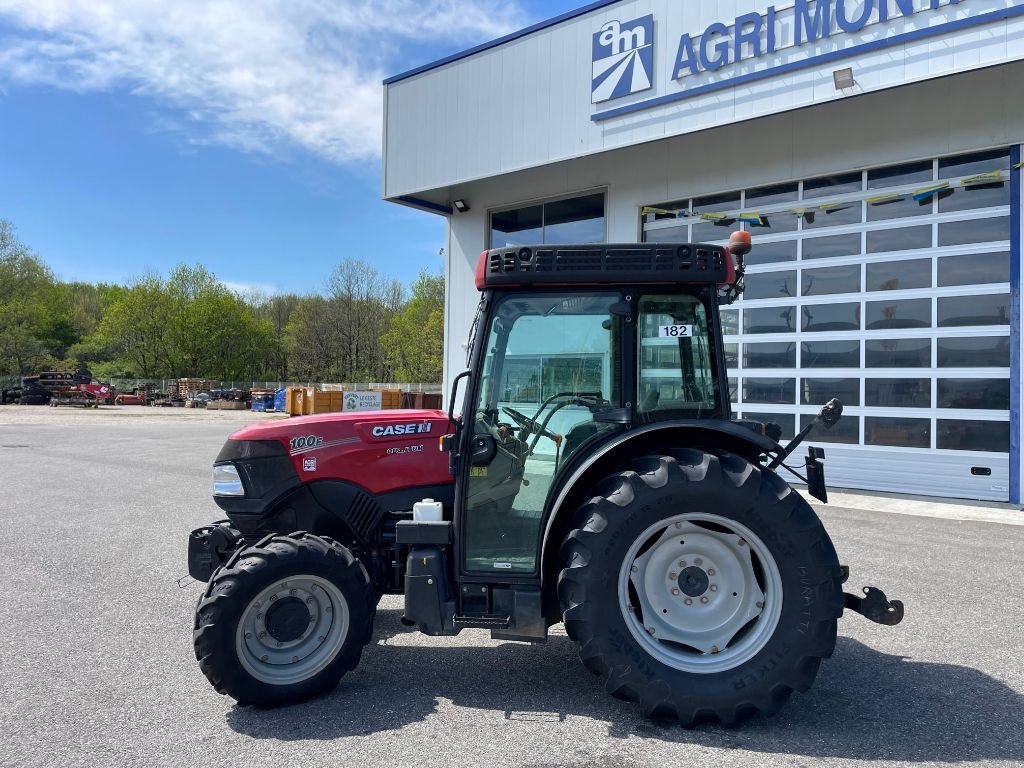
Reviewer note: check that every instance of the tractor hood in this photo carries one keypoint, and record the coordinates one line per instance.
(380, 451)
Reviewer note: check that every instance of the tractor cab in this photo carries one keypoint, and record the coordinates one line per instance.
(558, 373)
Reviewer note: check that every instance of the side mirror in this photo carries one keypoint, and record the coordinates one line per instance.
(453, 396)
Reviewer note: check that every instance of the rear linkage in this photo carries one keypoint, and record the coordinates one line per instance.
(874, 605)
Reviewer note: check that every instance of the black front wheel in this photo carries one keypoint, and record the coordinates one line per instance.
(282, 621)
(701, 586)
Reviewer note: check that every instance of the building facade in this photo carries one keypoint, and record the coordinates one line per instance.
(871, 147)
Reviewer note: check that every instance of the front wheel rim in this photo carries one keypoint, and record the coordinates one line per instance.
(292, 630)
(700, 592)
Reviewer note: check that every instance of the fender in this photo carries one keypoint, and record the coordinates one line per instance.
(592, 467)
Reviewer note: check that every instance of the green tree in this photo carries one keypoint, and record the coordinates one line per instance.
(136, 325)
(415, 341)
(31, 321)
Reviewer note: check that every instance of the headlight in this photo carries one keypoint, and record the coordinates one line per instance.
(226, 481)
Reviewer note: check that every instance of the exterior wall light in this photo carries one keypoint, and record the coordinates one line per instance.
(460, 205)
(843, 78)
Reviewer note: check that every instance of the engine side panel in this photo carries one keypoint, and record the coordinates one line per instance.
(380, 451)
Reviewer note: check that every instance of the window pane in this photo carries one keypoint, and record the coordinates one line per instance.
(675, 205)
(898, 353)
(733, 389)
(974, 231)
(784, 420)
(820, 391)
(993, 309)
(829, 247)
(832, 185)
(730, 321)
(830, 354)
(770, 285)
(767, 253)
(769, 320)
(906, 433)
(975, 162)
(978, 196)
(899, 275)
(898, 208)
(898, 393)
(779, 193)
(521, 380)
(678, 234)
(825, 280)
(576, 220)
(772, 355)
(522, 226)
(732, 355)
(679, 376)
(727, 201)
(772, 223)
(846, 430)
(842, 213)
(903, 239)
(975, 352)
(957, 435)
(831, 317)
(991, 394)
(899, 313)
(895, 175)
(779, 391)
(709, 232)
(974, 269)
(575, 374)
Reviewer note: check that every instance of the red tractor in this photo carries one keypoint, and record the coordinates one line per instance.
(595, 477)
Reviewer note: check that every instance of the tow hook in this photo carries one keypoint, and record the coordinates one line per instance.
(874, 606)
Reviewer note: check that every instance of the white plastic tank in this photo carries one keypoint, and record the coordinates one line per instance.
(427, 510)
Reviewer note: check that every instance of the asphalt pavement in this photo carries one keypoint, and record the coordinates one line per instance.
(97, 666)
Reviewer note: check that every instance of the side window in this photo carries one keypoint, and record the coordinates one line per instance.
(675, 367)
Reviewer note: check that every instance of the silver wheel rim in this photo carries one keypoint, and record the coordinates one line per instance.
(700, 592)
(296, 659)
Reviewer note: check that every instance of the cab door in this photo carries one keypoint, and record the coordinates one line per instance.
(550, 362)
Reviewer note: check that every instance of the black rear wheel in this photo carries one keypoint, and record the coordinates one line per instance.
(282, 621)
(701, 587)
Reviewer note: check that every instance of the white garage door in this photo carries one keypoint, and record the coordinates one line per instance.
(890, 289)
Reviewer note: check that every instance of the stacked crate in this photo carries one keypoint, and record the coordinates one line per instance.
(326, 402)
(390, 398)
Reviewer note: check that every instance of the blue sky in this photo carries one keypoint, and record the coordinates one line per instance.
(240, 134)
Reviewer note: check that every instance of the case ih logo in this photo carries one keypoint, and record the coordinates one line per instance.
(402, 429)
(623, 59)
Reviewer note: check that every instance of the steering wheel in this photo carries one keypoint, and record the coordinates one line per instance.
(530, 426)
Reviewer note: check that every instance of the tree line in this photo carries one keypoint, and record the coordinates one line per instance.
(362, 326)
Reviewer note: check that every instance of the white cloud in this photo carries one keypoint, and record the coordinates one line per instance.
(258, 75)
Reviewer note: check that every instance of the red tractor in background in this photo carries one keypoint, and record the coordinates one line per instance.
(607, 487)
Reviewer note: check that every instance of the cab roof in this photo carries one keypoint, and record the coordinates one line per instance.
(605, 264)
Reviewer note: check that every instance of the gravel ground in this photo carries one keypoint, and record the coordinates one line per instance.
(97, 665)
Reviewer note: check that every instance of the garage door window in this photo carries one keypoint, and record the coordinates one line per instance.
(865, 287)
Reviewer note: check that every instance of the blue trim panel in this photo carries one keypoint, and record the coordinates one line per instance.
(1015, 329)
(825, 58)
(502, 40)
(417, 202)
